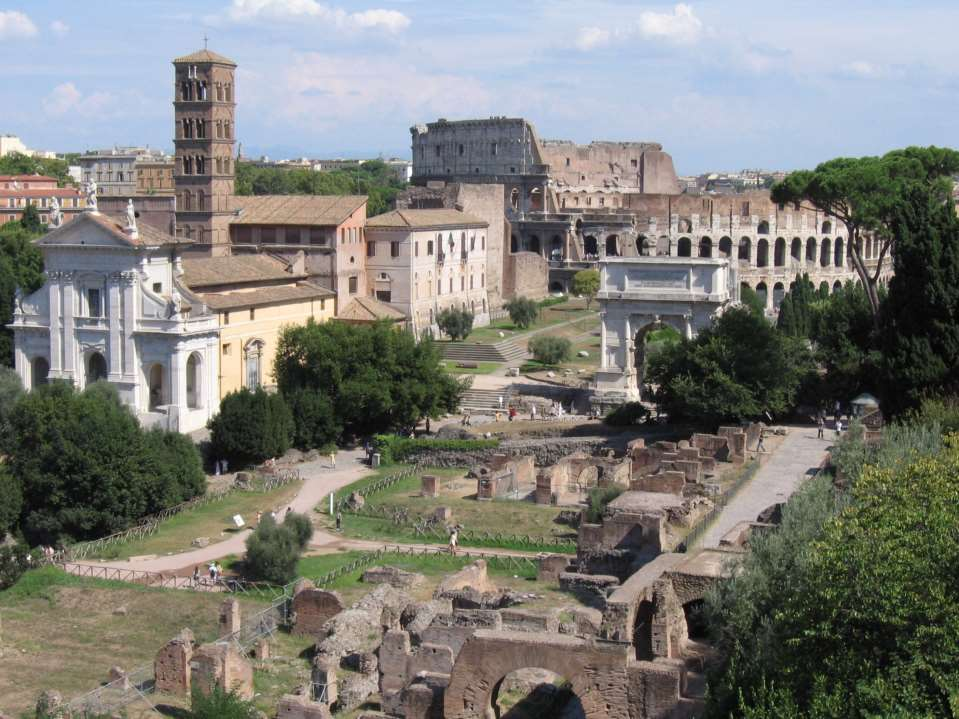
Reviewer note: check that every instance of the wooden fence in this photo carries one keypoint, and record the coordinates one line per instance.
(377, 485)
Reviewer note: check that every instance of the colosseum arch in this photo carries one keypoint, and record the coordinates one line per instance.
(826, 227)
(811, 250)
(590, 246)
(612, 246)
(644, 246)
(489, 656)
(662, 246)
(825, 253)
(780, 257)
(763, 227)
(796, 250)
(745, 249)
(836, 286)
(533, 244)
(762, 292)
(779, 291)
(705, 247)
(725, 247)
(684, 247)
(762, 253)
(838, 258)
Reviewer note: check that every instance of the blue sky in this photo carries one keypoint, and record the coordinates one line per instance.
(722, 84)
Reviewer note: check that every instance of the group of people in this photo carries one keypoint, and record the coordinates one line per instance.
(215, 571)
(821, 422)
(221, 466)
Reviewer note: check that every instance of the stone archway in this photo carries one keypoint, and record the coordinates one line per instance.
(640, 346)
(488, 656)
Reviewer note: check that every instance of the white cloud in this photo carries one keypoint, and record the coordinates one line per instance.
(14, 24)
(249, 10)
(861, 68)
(59, 28)
(680, 27)
(66, 98)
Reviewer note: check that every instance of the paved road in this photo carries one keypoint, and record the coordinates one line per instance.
(795, 460)
(319, 481)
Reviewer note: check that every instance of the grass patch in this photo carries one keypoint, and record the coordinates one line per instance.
(213, 520)
(481, 367)
(60, 631)
(548, 316)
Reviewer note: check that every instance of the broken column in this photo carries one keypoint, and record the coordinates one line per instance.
(230, 620)
(221, 665)
(171, 667)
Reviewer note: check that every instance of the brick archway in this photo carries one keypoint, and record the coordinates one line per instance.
(597, 672)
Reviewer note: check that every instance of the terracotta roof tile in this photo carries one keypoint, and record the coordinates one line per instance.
(205, 56)
(425, 219)
(265, 296)
(294, 209)
(148, 235)
(367, 309)
(237, 269)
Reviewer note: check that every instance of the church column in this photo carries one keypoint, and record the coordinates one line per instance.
(602, 340)
(69, 336)
(56, 343)
(129, 326)
(178, 385)
(116, 339)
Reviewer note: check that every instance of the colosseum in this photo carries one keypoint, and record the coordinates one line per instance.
(576, 204)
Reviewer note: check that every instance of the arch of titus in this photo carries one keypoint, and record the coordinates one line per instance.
(639, 294)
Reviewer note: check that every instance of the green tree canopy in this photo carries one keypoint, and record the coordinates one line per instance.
(377, 378)
(749, 298)
(273, 549)
(586, 283)
(920, 328)
(550, 350)
(18, 164)
(455, 323)
(797, 314)
(522, 311)
(251, 426)
(864, 193)
(739, 368)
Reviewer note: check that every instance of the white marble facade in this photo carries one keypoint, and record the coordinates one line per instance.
(638, 294)
(112, 309)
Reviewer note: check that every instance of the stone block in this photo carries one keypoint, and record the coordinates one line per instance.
(171, 667)
(313, 608)
(394, 651)
(293, 706)
(550, 566)
(429, 486)
(395, 577)
(664, 483)
(654, 688)
(230, 619)
(524, 620)
(430, 658)
(692, 469)
(221, 665)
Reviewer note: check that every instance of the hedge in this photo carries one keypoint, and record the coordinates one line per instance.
(393, 448)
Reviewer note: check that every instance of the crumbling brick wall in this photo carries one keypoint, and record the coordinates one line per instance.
(171, 666)
(312, 608)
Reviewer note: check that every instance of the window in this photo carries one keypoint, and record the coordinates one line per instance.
(462, 283)
(371, 249)
(226, 349)
(493, 149)
(317, 236)
(634, 162)
(253, 356)
(268, 234)
(228, 90)
(226, 129)
(384, 295)
(483, 280)
(416, 249)
(567, 162)
(394, 249)
(94, 308)
(429, 248)
(158, 288)
(462, 150)
(437, 150)
(451, 284)
(352, 285)
(472, 242)
(483, 242)
(471, 281)
(226, 318)
(439, 286)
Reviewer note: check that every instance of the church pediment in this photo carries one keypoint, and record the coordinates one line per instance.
(88, 229)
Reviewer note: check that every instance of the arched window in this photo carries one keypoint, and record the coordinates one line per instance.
(762, 253)
(778, 293)
(200, 200)
(96, 368)
(156, 387)
(705, 247)
(763, 228)
(825, 254)
(612, 246)
(193, 381)
(826, 227)
(761, 291)
(780, 258)
(796, 250)
(187, 200)
(836, 286)
(685, 247)
(253, 359)
(685, 225)
(532, 244)
(745, 249)
(725, 247)
(838, 259)
(811, 250)
(39, 370)
(590, 246)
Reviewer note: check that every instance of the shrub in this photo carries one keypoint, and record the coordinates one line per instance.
(393, 448)
(550, 301)
(11, 501)
(522, 311)
(220, 704)
(627, 415)
(175, 466)
(251, 427)
(272, 552)
(14, 561)
(598, 498)
(314, 421)
(301, 527)
(550, 350)
(586, 283)
(455, 323)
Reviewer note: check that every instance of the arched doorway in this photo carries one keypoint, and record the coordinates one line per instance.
(685, 247)
(725, 247)
(825, 254)
(612, 246)
(532, 244)
(705, 247)
(556, 286)
(157, 387)
(193, 381)
(648, 341)
(643, 246)
(745, 249)
(643, 631)
(556, 248)
(39, 371)
(837, 253)
(779, 291)
(534, 692)
(697, 626)
(780, 258)
(811, 250)
(762, 253)
(96, 368)
(590, 247)
(762, 293)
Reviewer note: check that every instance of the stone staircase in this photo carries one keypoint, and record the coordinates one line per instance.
(505, 351)
(485, 400)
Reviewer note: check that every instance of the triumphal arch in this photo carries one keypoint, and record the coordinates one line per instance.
(640, 294)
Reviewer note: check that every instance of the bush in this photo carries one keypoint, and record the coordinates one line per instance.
(551, 301)
(522, 311)
(301, 527)
(14, 561)
(11, 501)
(597, 500)
(393, 448)
(314, 421)
(220, 704)
(273, 550)
(457, 324)
(627, 415)
(586, 283)
(550, 350)
(251, 427)
(175, 466)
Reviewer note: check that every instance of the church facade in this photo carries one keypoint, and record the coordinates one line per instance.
(114, 309)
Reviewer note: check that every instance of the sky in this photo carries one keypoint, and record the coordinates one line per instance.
(721, 84)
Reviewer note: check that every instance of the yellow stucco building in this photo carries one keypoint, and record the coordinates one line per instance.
(254, 297)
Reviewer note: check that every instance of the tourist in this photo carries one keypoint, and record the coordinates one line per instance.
(838, 428)
(837, 412)
(820, 425)
(501, 401)
(212, 570)
(454, 538)
(512, 412)
(532, 413)
(760, 446)
(333, 459)
(339, 522)
(196, 576)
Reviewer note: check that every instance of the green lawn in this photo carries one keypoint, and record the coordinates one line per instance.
(500, 516)
(481, 367)
(213, 520)
(549, 316)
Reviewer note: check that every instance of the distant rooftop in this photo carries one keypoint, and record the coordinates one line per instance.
(205, 56)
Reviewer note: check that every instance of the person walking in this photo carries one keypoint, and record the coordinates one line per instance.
(532, 413)
(820, 425)
(512, 412)
(838, 428)
(339, 522)
(212, 570)
(760, 445)
(454, 539)
(333, 459)
(196, 576)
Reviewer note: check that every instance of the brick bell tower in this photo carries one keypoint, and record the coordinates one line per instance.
(204, 134)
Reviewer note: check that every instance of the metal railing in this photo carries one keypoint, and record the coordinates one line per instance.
(699, 529)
